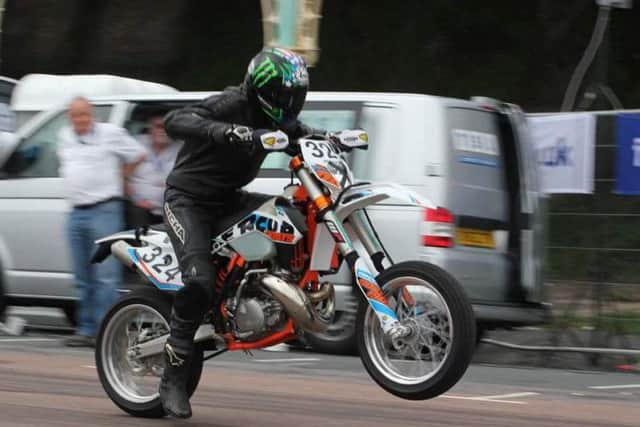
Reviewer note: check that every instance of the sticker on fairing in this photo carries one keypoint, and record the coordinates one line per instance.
(375, 296)
(159, 264)
(278, 228)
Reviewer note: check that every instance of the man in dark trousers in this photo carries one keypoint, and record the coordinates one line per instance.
(221, 154)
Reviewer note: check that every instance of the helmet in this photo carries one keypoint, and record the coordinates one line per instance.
(277, 81)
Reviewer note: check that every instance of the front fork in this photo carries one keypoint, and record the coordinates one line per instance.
(364, 278)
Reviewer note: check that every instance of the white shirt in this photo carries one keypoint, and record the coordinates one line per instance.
(148, 180)
(91, 164)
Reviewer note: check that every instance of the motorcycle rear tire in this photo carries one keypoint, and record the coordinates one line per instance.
(161, 303)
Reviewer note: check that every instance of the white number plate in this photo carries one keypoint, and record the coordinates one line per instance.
(160, 265)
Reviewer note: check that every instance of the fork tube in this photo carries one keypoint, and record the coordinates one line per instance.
(364, 231)
(323, 203)
(364, 279)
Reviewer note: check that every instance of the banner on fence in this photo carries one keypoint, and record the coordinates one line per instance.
(565, 145)
(628, 154)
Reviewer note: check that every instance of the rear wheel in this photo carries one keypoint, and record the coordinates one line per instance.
(132, 382)
(436, 354)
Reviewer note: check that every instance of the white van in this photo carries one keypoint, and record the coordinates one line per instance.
(472, 158)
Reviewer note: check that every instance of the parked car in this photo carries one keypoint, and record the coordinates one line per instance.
(472, 158)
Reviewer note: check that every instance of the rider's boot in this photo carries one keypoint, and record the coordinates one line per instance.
(177, 355)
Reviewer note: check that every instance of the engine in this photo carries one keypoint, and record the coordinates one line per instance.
(257, 316)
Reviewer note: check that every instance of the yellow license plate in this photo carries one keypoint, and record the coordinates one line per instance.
(477, 238)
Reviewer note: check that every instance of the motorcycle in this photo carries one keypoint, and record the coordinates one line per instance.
(415, 326)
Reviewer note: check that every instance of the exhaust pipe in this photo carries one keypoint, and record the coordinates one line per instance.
(299, 306)
(120, 250)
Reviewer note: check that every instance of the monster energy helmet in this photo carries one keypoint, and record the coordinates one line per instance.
(277, 80)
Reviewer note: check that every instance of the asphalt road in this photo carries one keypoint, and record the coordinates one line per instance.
(43, 383)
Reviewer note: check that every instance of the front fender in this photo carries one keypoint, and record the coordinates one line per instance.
(350, 200)
(363, 195)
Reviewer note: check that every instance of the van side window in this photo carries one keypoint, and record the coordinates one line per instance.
(40, 148)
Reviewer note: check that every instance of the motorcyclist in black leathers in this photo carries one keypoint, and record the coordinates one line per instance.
(221, 154)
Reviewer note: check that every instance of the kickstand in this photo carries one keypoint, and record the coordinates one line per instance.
(214, 354)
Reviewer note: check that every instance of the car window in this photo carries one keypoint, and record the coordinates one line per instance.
(276, 164)
(42, 144)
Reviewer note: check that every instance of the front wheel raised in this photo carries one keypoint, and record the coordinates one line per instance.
(436, 354)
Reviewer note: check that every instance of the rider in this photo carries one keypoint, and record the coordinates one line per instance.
(221, 154)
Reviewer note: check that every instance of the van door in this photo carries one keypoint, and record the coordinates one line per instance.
(477, 194)
(531, 218)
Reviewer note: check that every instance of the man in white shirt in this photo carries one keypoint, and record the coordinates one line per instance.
(146, 185)
(92, 156)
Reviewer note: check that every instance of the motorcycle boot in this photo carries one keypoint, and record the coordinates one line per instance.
(177, 355)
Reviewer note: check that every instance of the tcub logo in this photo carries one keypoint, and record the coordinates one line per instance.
(280, 231)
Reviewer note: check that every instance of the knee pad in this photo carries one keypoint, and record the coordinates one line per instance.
(192, 301)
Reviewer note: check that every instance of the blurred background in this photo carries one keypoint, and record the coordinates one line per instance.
(455, 49)
(439, 47)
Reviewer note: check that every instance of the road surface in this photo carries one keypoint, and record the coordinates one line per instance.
(42, 383)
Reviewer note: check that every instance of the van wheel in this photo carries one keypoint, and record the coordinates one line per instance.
(339, 338)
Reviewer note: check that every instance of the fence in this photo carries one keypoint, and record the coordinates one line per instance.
(593, 258)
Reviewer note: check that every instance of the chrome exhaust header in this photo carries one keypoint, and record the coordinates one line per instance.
(300, 306)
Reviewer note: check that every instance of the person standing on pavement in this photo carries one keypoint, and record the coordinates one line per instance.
(92, 159)
(146, 185)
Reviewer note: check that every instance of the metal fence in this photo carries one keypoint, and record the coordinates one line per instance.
(593, 258)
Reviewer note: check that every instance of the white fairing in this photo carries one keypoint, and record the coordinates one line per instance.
(351, 200)
(364, 195)
(269, 221)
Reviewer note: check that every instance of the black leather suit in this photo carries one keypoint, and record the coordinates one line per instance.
(204, 187)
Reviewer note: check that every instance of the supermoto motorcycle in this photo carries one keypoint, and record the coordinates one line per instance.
(415, 326)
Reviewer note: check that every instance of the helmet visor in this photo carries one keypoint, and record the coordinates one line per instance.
(290, 100)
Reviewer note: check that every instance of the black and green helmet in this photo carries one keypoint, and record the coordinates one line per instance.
(278, 79)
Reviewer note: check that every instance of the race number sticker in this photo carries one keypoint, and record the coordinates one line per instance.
(158, 262)
(326, 163)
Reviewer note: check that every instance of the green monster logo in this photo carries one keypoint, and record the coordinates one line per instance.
(264, 73)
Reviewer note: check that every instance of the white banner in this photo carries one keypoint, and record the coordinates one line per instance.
(565, 145)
